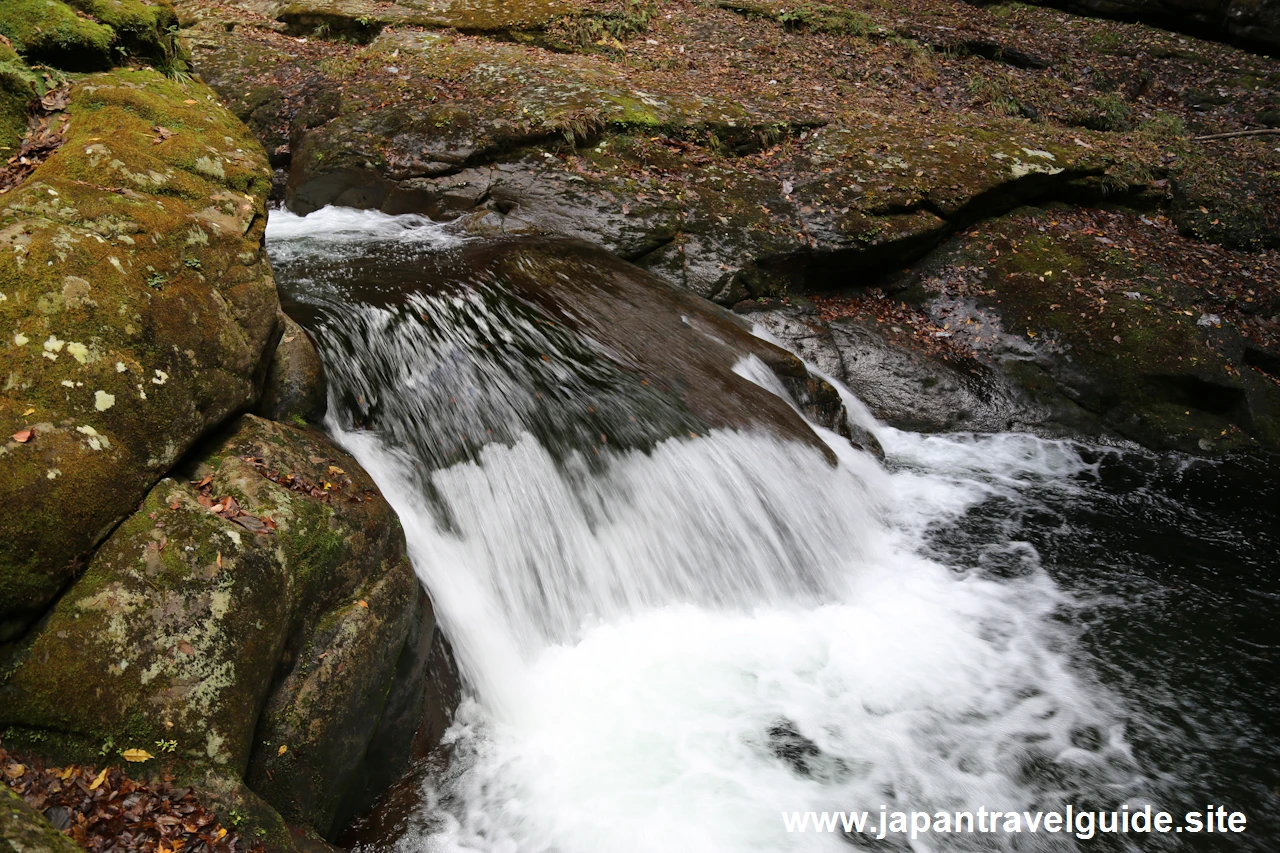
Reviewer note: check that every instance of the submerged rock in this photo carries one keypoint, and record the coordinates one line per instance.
(591, 351)
(256, 618)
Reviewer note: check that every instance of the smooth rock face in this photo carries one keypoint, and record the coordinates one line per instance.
(24, 830)
(137, 307)
(187, 623)
(295, 387)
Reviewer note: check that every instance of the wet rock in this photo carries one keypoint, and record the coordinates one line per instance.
(258, 615)
(682, 343)
(25, 830)
(295, 390)
(1098, 319)
(900, 384)
(137, 305)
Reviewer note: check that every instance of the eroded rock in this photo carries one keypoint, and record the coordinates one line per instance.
(295, 387)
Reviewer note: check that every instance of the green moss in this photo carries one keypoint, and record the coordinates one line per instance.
(24, 830)
(18, 88)
(1108, 112)
(92, 35)
(51, 32)
(74, 268)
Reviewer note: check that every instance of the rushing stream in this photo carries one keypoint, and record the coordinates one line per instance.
(671, 636)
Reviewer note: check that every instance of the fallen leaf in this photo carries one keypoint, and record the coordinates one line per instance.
(98, 780)
(28, 412)
(282, 750)
(363, 603)
(137, 755)
(250, 523)
(219, 559)
(334, 469)
(189, 101)
(22, 436)
(13, 771)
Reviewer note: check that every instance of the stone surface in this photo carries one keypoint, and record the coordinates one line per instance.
(749, 149)
(92, 35)
(269, 650)
(901, 385)
(137, 307)
(24, 830)
(295, 388)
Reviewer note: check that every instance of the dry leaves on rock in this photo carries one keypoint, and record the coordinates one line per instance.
(44, 136)
(107, 812)
(230, 509)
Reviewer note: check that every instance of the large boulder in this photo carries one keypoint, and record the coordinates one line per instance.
(92, 35)
(1094, 324)
(138, 310)
(256, 617)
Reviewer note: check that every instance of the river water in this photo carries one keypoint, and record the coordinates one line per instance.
(670, 638)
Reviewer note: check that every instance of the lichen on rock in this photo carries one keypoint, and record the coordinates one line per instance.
(187, 614)
(137, 308)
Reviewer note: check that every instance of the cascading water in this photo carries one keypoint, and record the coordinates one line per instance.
(671, 636)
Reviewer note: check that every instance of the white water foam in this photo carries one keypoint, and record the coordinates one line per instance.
(666, 654)
(610, 713)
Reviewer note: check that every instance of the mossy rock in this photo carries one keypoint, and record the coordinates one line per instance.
(24, 830)
(361, 20)
(185, 621)
(137, 309)
(1232, 196)
(17, 90)
(1106, 341)
(51, 32)
(92, 35)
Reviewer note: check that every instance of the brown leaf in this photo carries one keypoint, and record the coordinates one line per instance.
(251, 523)
(22, 436)
(13, 771)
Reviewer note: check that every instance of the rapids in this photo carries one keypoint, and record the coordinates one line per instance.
(670, 635)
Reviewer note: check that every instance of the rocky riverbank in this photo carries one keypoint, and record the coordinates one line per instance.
(218, 600)
(753, 151)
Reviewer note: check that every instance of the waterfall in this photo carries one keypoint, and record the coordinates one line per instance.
(669, 640)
